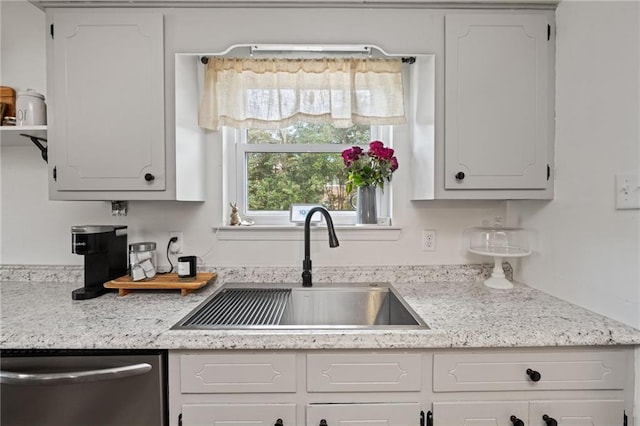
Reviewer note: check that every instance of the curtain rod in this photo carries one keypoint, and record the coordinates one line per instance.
(405, 59)
(347, 48)
(310, 48)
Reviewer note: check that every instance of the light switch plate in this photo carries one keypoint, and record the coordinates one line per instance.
(628, 191)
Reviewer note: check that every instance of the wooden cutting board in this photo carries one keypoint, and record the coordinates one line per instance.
(125, 284)
(8, 96)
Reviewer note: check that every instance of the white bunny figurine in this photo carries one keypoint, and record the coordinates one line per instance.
(235, 217)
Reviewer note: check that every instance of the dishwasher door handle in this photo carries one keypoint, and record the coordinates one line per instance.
(10, 377)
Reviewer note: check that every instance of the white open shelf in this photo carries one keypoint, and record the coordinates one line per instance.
(10, 135)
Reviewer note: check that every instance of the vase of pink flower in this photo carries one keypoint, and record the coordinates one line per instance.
(366, 171)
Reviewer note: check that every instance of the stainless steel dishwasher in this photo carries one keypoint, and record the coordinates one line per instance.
(81, 388)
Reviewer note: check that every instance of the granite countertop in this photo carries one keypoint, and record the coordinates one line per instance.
(460, 314)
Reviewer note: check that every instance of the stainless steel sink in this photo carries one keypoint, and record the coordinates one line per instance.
(290, 306)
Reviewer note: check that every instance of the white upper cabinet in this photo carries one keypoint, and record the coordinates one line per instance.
(498, 105)
(106, 128)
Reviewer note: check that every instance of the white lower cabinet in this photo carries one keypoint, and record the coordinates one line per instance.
(295, 388)
(527, 387)
(539, 413)
(381, 377)
(362, 414)
(497, 387)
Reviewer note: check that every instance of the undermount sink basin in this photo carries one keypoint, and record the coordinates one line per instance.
(290, 306)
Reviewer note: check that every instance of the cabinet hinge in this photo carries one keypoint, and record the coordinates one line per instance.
(548, 32)
(180, 419)
(55, 173)
(548, 171)
(624, 419)
(51, 30)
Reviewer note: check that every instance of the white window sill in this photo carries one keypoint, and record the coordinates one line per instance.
(296, 232)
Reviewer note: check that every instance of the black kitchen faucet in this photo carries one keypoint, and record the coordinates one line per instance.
(333, 242)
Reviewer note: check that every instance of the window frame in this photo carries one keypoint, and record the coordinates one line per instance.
(236, 146)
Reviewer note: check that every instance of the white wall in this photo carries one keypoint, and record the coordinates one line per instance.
(589, 252)
(37, 231)
(22, 29)
(22, 40)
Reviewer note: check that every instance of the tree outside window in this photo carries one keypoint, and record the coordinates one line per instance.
(299, 164)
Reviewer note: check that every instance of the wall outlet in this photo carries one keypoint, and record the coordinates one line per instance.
(428, 240)
(176, 248)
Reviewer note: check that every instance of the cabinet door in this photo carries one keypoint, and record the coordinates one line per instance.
(238, 414)
(364, 414)
(496, 413)
(496, 101)
(577, 413)
(106, 131)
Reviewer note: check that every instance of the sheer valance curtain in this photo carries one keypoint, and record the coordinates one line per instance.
(275, 93)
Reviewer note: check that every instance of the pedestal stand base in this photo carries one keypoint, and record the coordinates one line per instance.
(497, 278)
(496, 282)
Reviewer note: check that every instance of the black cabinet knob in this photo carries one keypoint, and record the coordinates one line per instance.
(323, 422)
(516, 421)
(149, 177)
(549, 421)
(279, 422)
(533, 375)
(460, 176)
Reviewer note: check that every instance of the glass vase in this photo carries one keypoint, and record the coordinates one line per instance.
(366, 206)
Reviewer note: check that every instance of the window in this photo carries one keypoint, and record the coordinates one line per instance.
(286, 122)
(299, 164)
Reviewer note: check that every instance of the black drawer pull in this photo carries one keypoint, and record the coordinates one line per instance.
(460, 176)
(149, 177)
(323, 422)
(533, 375)
(516, 421)
(279, 423)
(549, 421)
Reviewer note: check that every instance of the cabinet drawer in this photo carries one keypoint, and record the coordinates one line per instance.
(495, 413)
(364, 372)
(364, 414)
(557, 370)
(238, 414)
(588, 412)
(250, 373)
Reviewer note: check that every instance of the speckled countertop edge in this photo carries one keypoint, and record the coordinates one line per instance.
(460, 310)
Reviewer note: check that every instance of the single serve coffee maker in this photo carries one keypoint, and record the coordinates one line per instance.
(104, 248)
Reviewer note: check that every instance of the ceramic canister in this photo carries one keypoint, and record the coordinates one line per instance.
(30, 109)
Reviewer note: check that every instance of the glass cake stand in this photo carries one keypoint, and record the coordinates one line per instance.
(499, 243)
